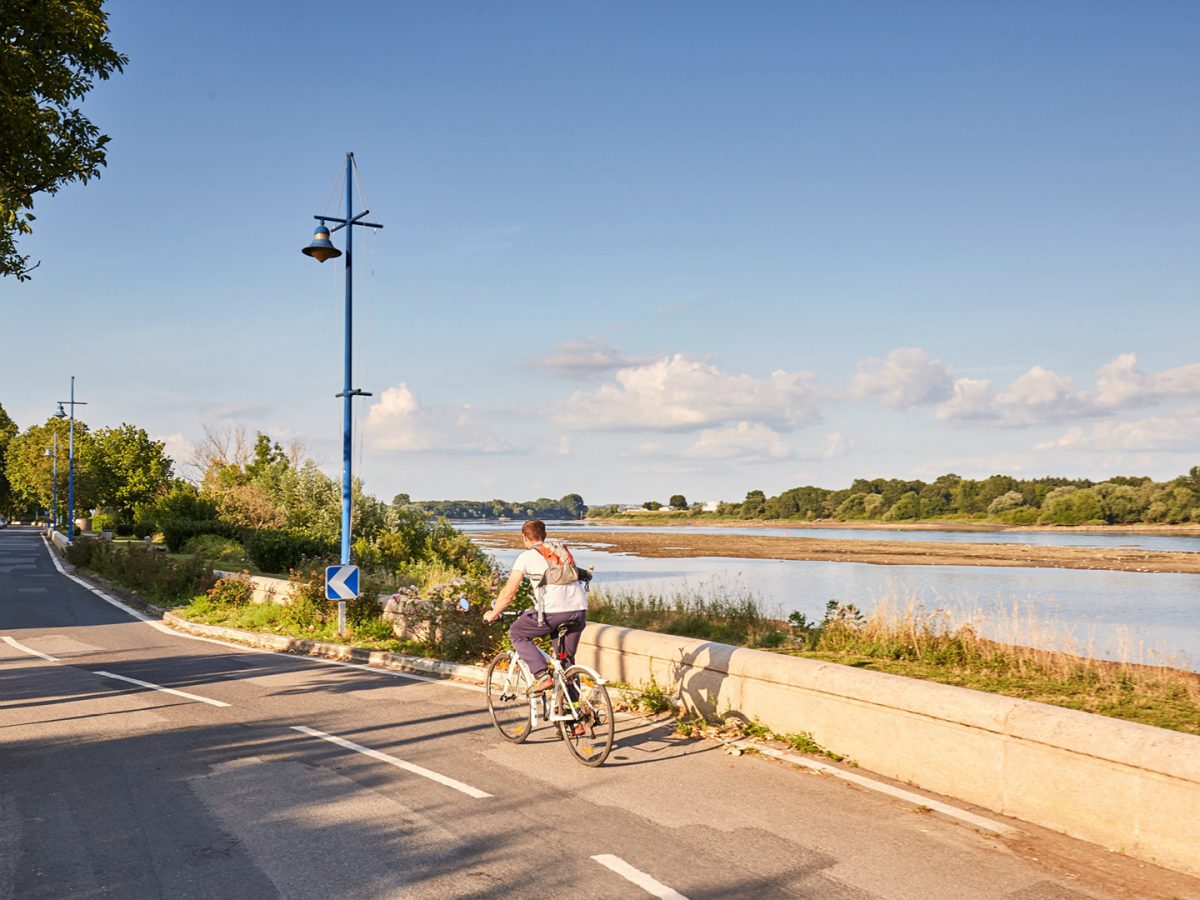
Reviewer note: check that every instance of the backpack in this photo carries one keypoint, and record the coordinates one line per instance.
(560, 569)
(560, 564)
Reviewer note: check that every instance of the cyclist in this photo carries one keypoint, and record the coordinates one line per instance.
(561, 603)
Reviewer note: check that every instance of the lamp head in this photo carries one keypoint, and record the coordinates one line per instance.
(61, 414)
(321, 248)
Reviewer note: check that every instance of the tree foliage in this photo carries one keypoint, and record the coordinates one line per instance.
(8, 430)
(130, 469)
(1121, 499)
(51, 53)
(570, 506)
(29, 470)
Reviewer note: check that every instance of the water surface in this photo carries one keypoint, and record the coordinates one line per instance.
(1134, 616)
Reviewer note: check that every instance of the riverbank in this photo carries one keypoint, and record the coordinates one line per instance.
(659, 519)
(882, 552)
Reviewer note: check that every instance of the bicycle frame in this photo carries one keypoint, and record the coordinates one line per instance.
(546, 715)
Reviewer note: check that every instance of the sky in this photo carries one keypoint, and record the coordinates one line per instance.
(632, 250)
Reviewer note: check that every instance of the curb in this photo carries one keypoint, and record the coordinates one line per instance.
(379, 658)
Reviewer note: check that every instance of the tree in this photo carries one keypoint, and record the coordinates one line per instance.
(678, 501)
(130, 469)
(907, 506)
(574, 506)
(51, 53)
(652, 505)
(8, 431)
(754, 506)
(29, 471)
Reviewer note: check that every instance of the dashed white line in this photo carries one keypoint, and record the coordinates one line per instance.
(393, 761)
(13, 643)
(637, 876)
(165, 690)
(166, 629)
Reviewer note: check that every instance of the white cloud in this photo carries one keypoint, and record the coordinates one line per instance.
(585, 359)
(1044, 396)
(1120, 383)
(744, 441)
(1155, 433)
(564, 445)
(973, 398)
(179, 448)
(1041, 395)
(678, 393)
(398, 422)
(837, 445)
(906, 377)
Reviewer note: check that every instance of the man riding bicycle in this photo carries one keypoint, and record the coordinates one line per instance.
(561, 604)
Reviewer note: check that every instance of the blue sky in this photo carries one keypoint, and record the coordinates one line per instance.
(637, 249)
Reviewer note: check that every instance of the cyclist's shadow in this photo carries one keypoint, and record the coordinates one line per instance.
(697, 690)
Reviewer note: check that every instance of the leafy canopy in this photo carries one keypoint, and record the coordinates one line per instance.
(51, 52)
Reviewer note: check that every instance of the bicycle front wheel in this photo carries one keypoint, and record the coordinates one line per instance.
(508, 699)
(589, 736)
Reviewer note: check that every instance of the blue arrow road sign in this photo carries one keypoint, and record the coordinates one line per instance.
(341, 582)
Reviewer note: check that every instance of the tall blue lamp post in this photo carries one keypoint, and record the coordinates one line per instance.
(70, 458)
(322, 249)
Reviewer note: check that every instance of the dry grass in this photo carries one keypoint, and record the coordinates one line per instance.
(1024, 655)
(1010, 651)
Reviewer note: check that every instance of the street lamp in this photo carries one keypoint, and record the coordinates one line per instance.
(322, 249)
(54, 453)
(70, 459)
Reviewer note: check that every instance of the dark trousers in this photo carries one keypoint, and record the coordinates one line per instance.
(526, 628)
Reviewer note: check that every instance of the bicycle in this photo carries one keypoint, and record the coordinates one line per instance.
(577, 703)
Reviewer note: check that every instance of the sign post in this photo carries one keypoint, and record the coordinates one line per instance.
(341, 584)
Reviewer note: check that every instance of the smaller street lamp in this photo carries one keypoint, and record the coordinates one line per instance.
(70, 458)
(54, 454)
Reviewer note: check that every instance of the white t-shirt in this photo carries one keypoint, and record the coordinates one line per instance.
(556, 597)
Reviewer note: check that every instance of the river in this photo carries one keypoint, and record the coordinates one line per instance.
(1131, 616)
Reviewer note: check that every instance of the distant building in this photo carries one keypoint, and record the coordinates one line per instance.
(710, 506)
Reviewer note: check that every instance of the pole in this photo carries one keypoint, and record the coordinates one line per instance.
(347, 443)
(54, 518)
(71, 471)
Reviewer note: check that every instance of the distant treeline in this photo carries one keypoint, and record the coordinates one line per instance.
(1121, 500)
(569, 507)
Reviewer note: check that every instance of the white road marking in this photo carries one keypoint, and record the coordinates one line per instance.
(883, 788)
(393, 761)
(166, 629)
(641, 879)
(165, 690)
(29, 650)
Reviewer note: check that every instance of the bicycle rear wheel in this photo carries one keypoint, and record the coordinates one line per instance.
(508, 699)
(590, 736)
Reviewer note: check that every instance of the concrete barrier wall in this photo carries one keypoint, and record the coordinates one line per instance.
(1127, 787)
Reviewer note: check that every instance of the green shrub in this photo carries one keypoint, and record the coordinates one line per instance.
(124, 529)
(279, 551)
(155, 576)
(232, 590)
(178, 532)
(216, 549)
(307, 609)
(142, 530)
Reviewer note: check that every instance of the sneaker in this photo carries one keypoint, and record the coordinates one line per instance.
(579, 730)
(542, 685)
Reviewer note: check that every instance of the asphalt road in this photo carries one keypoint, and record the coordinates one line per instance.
(250, 781)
